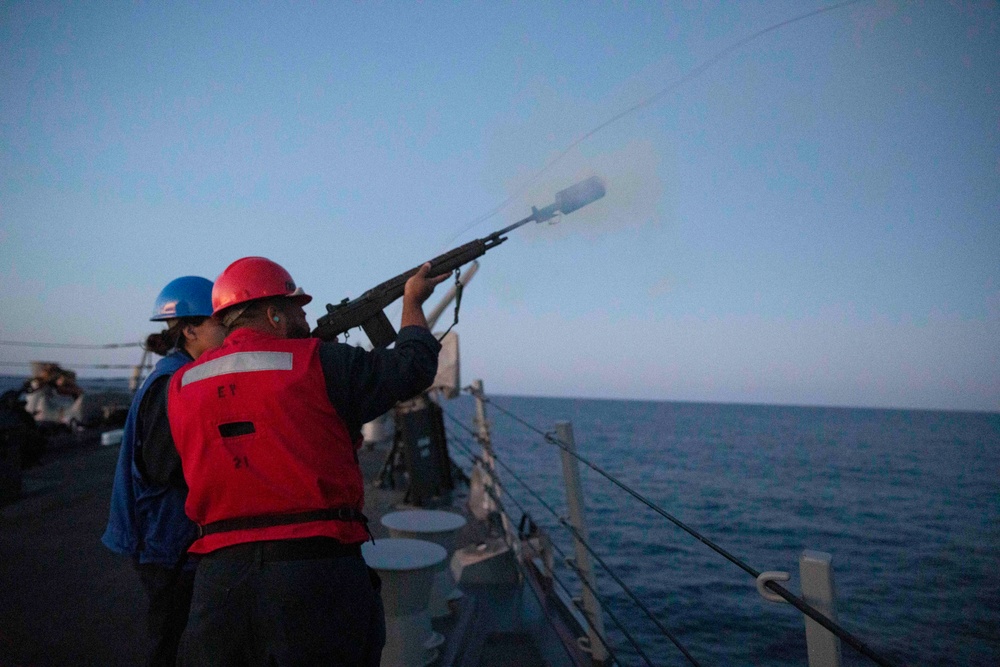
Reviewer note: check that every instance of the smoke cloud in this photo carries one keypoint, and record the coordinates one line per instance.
(632, 176)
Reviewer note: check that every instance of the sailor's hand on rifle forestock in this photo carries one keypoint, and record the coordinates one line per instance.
(420, 287)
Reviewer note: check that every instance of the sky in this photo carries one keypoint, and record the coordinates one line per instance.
(807, 217)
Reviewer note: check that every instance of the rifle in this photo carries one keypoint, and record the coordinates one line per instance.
(366, 310)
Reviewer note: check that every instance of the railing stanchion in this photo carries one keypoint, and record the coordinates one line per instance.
(817, 590)
(574, 499)
(494, 490)
(483, 435)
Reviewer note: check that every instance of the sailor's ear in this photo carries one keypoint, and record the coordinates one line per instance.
(274, 317)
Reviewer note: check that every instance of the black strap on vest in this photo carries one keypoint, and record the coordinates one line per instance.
(271, 520)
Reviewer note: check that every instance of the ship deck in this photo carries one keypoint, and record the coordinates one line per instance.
(67, 600)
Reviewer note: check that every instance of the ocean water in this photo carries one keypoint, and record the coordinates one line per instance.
(906, 502)
(93, 384)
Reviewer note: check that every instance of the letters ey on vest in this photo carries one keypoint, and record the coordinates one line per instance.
(258, 436)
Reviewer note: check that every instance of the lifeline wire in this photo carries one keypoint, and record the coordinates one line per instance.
(624, 587)
(583, 581)
(635, 599)
(604, 640)
(74, 346)
(461, 425)
(468, 452)
(103, 366)
(690, 75)
(571, 563)
(473, 459)
(520, 566)
(793, 599)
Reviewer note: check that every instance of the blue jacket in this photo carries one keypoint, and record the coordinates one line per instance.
(147, 521)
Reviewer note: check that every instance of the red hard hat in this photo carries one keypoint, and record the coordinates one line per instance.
(253, 278)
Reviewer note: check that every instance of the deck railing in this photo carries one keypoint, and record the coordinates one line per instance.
(823, 634)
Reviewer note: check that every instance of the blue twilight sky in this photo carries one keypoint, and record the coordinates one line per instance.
(814, 219)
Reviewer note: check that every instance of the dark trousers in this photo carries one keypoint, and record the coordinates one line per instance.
(252, 608)
(169, 591)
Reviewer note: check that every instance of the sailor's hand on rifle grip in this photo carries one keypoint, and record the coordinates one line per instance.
(420, 287)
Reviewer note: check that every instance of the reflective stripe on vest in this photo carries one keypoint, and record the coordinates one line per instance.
(239, 362)
(260, 438)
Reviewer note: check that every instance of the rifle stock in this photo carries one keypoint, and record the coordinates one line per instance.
(366, 310)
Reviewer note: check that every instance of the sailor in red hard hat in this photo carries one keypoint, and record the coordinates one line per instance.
(252, 278)
(266, 427)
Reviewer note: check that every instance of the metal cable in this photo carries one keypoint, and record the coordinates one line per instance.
(458, 423)
(780, 590)
(104, 366)
(541, 603)
(604, 640)
(563, 521)
(605, 607)
(468, 452)
(454, 439)
(562, 585)
(555, 441)
(74, 346)
(628, 591)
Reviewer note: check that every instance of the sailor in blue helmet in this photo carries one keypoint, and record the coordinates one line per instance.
(147, 520)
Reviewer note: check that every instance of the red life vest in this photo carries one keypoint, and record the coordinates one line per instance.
(258, 437)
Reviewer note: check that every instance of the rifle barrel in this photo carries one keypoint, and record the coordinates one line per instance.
(368, 307)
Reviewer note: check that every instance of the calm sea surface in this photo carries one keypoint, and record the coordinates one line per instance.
(907, 503)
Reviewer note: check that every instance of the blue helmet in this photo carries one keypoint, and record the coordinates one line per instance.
(188, 296)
